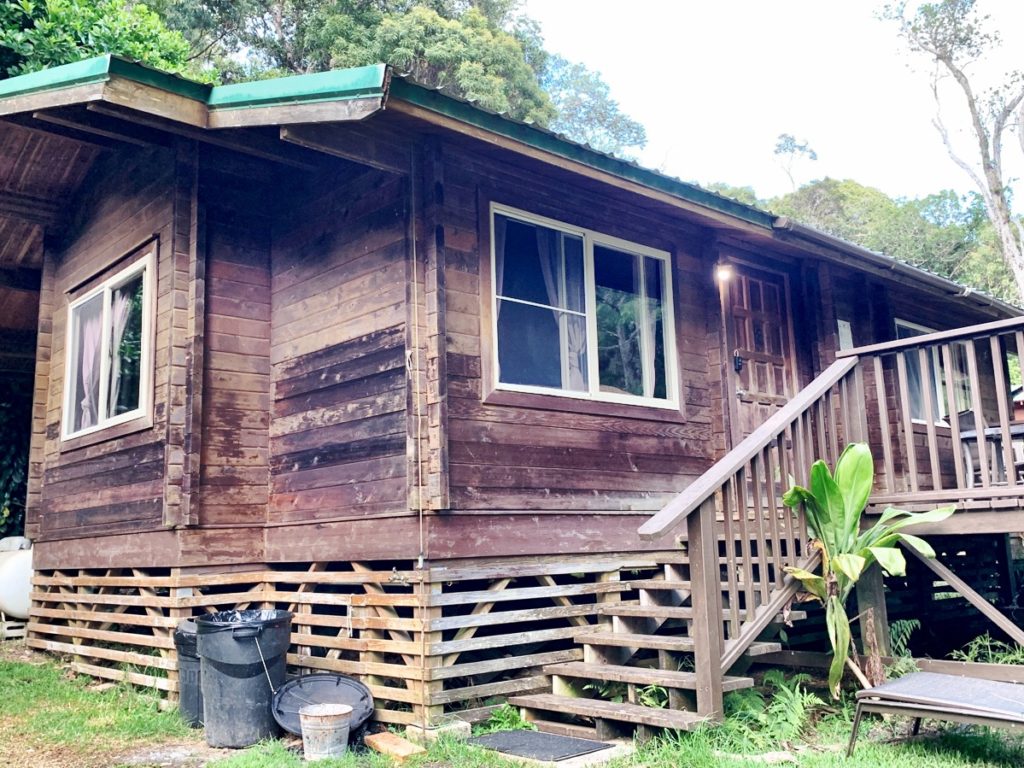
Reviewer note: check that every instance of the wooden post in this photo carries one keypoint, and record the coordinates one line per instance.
(705, 581)
(871, 594)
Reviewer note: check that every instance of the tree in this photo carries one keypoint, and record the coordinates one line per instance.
(38, 34)
(486, 51)
(953, 35)
(789, 150)
(943, 233)
(585, 109)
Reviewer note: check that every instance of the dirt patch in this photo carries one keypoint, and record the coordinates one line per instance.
(17, 651)
(179, 755)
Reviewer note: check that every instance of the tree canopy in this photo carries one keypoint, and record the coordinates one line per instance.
(943, 233)
(35, 34)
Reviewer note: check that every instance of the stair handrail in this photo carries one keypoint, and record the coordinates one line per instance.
(705, 486)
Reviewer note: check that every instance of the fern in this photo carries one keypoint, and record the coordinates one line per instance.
(903, 662)
(901, 630)
(653, 696)
(505, 718)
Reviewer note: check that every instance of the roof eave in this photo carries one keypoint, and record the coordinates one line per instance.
(801, 232)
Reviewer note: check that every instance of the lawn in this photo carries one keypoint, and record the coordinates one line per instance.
(51, 719)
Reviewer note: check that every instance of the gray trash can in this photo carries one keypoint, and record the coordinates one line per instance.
(190, 692)
(242, 660)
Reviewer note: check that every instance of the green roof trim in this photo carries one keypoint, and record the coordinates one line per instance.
(94, 70)
(147, 75)
(336, 85)
(98, 69)
(549, 142)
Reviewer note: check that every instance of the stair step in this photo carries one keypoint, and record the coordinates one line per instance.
(661, 642)
(656, 584)
(640, 675)
(631, 640)
(608, 710)
(571, 730)
(668, 612)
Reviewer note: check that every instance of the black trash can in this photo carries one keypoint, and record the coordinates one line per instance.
(190, 692)
(242, 660)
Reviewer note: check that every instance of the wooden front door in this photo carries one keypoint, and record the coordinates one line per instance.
(760, 360)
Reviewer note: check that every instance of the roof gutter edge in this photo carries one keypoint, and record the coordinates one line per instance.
(786, 225)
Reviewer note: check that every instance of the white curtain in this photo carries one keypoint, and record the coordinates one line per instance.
(499, 259)
(90, 362)
(648, 338)
(552, 267)
(119, 311)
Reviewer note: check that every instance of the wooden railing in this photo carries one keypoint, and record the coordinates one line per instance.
(739, 535)
(907, 399)
(941, 419)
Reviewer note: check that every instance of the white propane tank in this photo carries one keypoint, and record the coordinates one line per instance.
(15, 576)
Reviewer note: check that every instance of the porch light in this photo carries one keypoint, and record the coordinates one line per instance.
(723, 271)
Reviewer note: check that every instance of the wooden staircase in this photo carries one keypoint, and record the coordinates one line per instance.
(642, 654)
(674, 644)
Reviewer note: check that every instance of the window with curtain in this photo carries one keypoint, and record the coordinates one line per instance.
(108, 351)
(579, 313)
(936, 378)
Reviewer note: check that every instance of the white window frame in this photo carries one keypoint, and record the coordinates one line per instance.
(146, 266)
(591, 239)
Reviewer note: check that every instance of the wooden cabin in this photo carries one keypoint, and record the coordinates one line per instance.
(492, 413)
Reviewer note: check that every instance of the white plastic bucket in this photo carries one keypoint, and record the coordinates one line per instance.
(324, 730)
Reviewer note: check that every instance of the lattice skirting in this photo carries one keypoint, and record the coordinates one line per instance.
(450, 638)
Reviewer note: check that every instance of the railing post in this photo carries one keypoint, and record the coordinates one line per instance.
(706, 586)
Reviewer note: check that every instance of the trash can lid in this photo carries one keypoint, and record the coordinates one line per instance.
(185, 634)
(320, 688)
(225, 621)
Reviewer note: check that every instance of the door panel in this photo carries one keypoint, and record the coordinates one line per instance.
(760, 339)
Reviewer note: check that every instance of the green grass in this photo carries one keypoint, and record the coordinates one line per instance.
(43, 713)
(62, 711)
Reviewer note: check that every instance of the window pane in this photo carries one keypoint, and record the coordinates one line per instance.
(654, 281)
(618, 300)
(528, 344)
(86, 324)
(125, 347)
(529, 263)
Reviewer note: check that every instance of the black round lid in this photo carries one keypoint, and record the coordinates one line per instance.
(320, 688)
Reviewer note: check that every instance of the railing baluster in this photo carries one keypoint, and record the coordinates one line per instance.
(819, 426)
(903, 395)
(831, 425)
(928, 376)
(883, 424)
(979, 418)
(758, 468)
(778, 525)
(747, 569)
(785, 472)
(1003, 401)
(954, 420)
(728, 508)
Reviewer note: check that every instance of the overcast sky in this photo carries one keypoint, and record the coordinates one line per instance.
(716, 81)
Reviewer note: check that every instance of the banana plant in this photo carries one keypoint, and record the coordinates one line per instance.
(833, 506)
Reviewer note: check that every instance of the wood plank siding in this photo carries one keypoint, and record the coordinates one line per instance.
(338, 435)
(114, 484)
(323, 384)
(514, 458)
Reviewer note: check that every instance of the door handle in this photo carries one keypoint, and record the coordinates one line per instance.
(737, 361)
